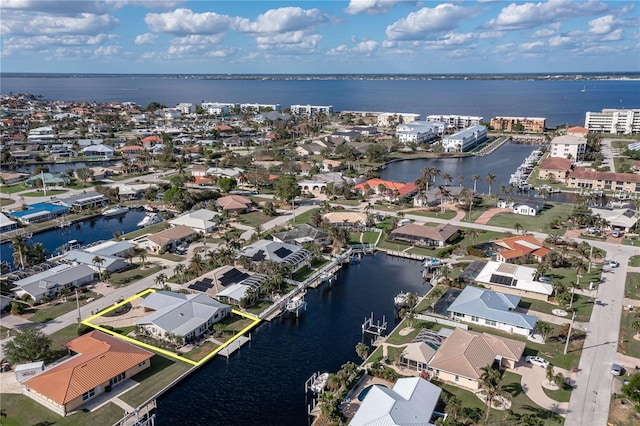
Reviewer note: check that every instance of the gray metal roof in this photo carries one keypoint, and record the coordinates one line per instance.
(493, 306)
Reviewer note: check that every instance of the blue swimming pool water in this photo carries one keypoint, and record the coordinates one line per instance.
(365, 391)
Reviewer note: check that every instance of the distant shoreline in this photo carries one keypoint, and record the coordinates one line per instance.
(590, 76)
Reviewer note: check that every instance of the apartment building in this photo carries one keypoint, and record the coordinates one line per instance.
(518, 124)
(465, 139)
(568, 146)
(614, 121)
(455, 122)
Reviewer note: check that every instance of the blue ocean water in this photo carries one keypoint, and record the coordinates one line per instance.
(559, 101)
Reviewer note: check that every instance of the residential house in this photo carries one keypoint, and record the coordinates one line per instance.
(51, 281)
(9, 178)
(39, 212)
(623, 218)
(460, 359)
(131, 151)
(391, 191)
(311, 186)
(83, 257)
(527, 206)
(98, 150)
(555, 168)
(234, 203)
(301, 234)
(331, 165)
(290, 255)
(508, 278)
(310, 149)
(84, 200)
(7, 224)
(150, 141)
(578, 131)
(227, 283)
(100, 362)
(427, 236)
(412, 401)
(48, 179)
(520, 248)
(237, 292)
(433, 196)
(170, 238)
(202, 220)
(416, 356)
(232, 172)
(587, 179)
(187, 316)
(491, 309)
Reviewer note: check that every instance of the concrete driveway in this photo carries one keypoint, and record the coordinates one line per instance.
(532, 379)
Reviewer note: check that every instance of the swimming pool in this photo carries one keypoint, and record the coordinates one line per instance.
(363, 393)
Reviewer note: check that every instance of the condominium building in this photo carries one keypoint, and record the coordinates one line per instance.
(465, 139)
(418, 131)
(386, 119)
(518, 124)
(311, 109)
(259, 107)
(217, 108)
(582, 178)
(455, 122)
(568, 146)
(615, 121)
(186, 107)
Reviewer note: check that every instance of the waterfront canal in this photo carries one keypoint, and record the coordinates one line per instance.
(263, 383)
(502, 163)
(86, 231)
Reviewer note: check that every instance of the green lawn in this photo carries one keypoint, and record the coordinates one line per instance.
(634, 261)
(561, 395)
(119, 279)
(481, 237)
(259, 307)
(632, 286)
(350, 203)
(254, 218)
(123, 177)
(162, 372)
(305, 217)
(302, 273)
(148, 230)
(12, 189)
(199, 352)
(41, 193)
(628, 345)
(21, 410)
(48, 312)
(6, 201)
(539, 223)
(448, 214)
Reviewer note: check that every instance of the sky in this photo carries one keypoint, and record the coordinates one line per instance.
(318, 37)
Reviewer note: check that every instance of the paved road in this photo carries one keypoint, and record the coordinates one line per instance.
(589, 404)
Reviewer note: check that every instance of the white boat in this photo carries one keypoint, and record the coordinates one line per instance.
(401, 299)
(115, 211)
(150, 219)
(296, 304)
(320, 383)
(327, 277)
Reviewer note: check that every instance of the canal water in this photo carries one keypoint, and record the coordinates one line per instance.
(87, 231)
(502, 163)
(263, 383)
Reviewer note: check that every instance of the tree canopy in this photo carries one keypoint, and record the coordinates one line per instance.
(287, 188)
(28, 345)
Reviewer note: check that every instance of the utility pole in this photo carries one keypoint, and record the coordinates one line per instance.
(78, 305)
(566, 344)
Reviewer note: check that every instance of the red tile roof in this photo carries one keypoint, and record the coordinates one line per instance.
(582, 173)
(131, 148)
(101, 358)
(577, 129)
(556, 163)
(520, 246)
(152, 138)
(402, 188)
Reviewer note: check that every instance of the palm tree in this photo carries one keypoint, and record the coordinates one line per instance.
(490, 179)
(549, 373)
(444, 194)
(98, 261)
(143, 257)
(447, 177)
(517, 227)
(635, 325)
(20, 248)
(460, 180)
(475, 179)
(179, 271)
(160, 279)
(490, 383)
(362, 350)
(196, 264)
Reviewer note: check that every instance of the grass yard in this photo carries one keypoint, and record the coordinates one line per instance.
(481, 237)
(448, 214)
(147, 230)
(254, 218)
(628, 345)
(6, 201)
(259, 307)
(19, 410)
(11, 189)
(539, 223)
(235, 324)
(162, 372)
(561, 395)
(199, 352)
(44, 313)
(135, 273)
(634, 261)
(305, 217)
(632, 286)
(350, 203)
(41, 193)
(302, 273)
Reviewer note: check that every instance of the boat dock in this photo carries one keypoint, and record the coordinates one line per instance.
(488, 149)
(234, 346)
(378, 329)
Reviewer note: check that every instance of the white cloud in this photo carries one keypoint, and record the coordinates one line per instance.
(531, 46)
(561, 41)
(371, 7)
(288, 42)
(87, 6)
(83, 23)
(603, 25)
(284, 19)
(491, 34)
(146, 38)
(107, 52)
(185, 21)
(529, 15)
(546, 32)
(418, 25)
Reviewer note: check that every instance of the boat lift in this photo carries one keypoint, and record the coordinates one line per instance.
(377, 329)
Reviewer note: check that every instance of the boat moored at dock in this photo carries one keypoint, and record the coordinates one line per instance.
(115, 211)
(150, 219)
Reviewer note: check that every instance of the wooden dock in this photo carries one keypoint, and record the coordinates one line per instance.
(234, 346)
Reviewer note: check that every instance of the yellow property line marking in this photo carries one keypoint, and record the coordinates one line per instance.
(255, 321)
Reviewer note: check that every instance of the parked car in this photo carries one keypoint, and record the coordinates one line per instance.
(616, 370)
(613, 264)
(536, 360)
(615, 233)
